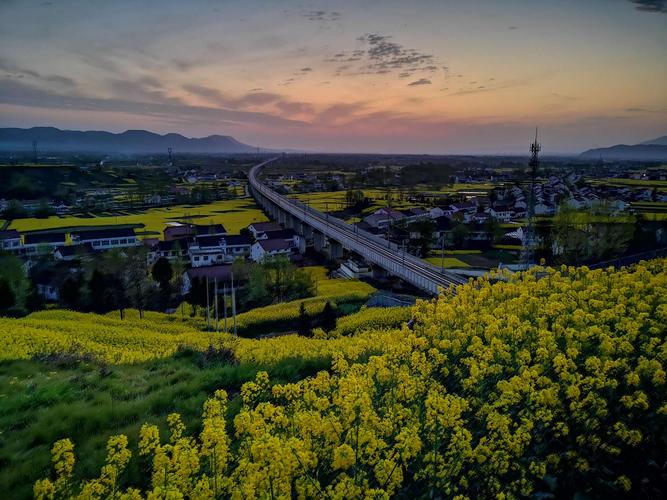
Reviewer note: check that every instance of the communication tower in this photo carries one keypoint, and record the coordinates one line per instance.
(529, 236)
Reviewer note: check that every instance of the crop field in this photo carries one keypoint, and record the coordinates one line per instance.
(554, 377)
(233, 214)
(335, 200)
(64, 373)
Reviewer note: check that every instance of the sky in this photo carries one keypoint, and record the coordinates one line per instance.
(385, 76)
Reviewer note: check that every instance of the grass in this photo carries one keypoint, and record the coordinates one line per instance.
(448, 262)
(43, 402)
(233, 214)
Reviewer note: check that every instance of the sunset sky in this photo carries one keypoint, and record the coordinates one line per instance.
(431, 76)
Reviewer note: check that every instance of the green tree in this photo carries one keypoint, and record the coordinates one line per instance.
(328, 317)
(7, 298)
(70, 292)
(162, 271)
(303, 325)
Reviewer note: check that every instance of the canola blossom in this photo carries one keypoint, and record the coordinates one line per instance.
(545, 384)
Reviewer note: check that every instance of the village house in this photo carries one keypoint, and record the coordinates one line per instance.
(10, 241)
(105, 239)
(41, 243)
(257, 228)
(287, 234)
(262, 249)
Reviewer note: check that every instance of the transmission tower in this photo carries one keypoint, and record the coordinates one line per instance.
(34, 151)
(171, 160)
(529, 237)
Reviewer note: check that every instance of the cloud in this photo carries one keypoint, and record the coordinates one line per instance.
(306, 70)
(492, 88)
(253, 100)
(650, 5)
(16, 70)
(421, 81)
(649, 111)
(384, 55)
(19, 94)
(321, 15)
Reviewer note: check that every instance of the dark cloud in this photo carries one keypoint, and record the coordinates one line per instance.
(497, 86)
(321, 15)
(16, 93)
(648, 111)
(384, 55)
(650, 5)
(15, 70)
(252, 100)
(306, 70)
(421, 81)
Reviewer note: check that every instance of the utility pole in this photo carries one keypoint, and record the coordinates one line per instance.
(529, 238)
(442, 253)
(208, 312)
(215, 297)
(224, 305)
(234, 304)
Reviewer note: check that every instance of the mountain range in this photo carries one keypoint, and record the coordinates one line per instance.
(129, 142)
(653, 150)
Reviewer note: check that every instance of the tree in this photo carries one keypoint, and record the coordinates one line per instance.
(7, 298)
(460, 235)
(44, 210)
(162, 271)
(328, 318)
(197, 294)
(97, 291)
(303, 325)
(13, 273)
(70, 292)
(494, 229)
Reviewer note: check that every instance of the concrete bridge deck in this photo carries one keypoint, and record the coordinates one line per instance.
(374, 249)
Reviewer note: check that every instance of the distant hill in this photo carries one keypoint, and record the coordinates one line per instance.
(653, 150)
(129, 142)
(660, 141)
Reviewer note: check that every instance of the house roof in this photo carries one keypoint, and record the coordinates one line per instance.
(223, 272)
(286, 234)
(97, 234)
(209, 241)
(262, 227)
(9, 234)
(73, 250)
(166, 246)
(416, 211)
(374, 219)
(210, 229)
(394, 214)
(237, 239)
(37, 238)
(273, 245)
